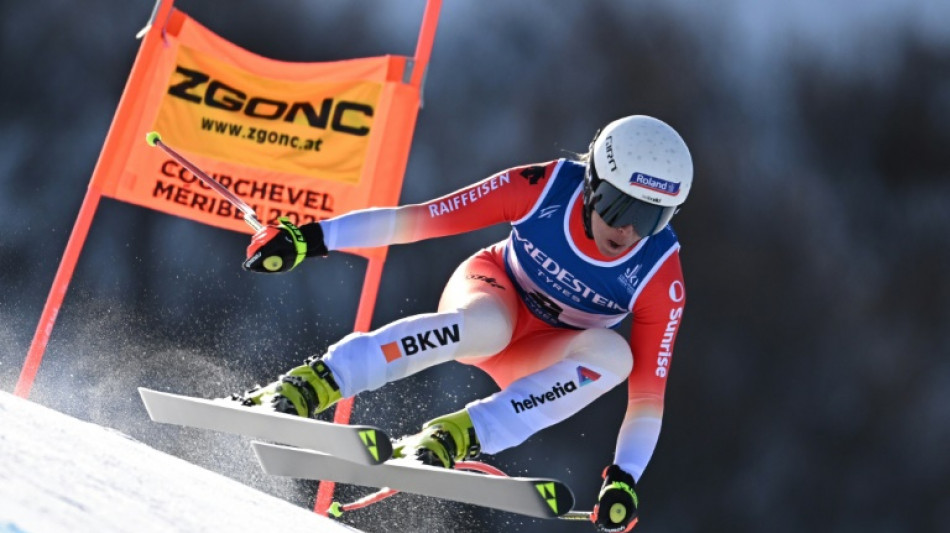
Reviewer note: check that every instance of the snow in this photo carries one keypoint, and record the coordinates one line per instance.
(62, 474)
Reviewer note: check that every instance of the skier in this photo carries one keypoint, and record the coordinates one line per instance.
(590, 243)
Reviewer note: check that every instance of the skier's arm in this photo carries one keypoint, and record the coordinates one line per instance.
(656, 319)
(503, 197)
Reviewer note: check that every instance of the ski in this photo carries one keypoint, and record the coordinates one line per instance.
(357, 444)
(536, 497)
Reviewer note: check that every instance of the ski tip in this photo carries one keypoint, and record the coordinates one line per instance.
(145, 394)
(145, 391)
(267, 452)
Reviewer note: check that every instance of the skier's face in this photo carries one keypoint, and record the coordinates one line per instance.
(612, 241)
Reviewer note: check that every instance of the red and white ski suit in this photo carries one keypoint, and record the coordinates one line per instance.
(535, 311)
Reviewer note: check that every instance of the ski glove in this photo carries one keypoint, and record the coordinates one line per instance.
(616, 509)
(282, 247)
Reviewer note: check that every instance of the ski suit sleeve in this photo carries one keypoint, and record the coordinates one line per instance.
(657, 315)
(502, 197)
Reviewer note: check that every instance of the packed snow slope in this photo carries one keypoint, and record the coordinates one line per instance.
(60, 474)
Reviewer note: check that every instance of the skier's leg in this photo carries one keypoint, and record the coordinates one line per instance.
(547, 378)
(476, 317)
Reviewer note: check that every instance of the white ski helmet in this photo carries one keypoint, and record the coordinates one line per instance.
(638, 172)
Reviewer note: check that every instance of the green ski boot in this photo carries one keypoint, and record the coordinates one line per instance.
(442, 441)
(303, 391)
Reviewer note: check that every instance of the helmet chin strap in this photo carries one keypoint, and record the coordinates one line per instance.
(587, 209)
(589, 188)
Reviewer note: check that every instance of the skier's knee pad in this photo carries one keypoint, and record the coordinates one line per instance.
(488, 327)
(605, 349)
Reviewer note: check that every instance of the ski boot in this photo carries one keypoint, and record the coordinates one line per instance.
(442, 441)
(303, 391)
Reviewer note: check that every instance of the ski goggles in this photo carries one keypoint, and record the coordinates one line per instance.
(619, 209)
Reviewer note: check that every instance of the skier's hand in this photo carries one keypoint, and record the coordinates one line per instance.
(280, 248)
(616, 509)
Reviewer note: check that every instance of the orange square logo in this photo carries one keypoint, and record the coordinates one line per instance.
(391, 352)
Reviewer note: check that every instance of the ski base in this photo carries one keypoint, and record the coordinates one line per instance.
(536, 497)
(357, 444)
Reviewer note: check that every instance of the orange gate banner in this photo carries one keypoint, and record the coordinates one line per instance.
(301, 140)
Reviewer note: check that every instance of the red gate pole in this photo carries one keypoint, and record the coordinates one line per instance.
(55, 299)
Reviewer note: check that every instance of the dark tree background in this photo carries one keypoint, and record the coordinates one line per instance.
(811, 384)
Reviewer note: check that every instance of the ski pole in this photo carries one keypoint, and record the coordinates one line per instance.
(154, 139)
(583, 516)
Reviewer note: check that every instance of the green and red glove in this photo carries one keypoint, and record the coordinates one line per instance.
(280, 248)
(616, 509)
